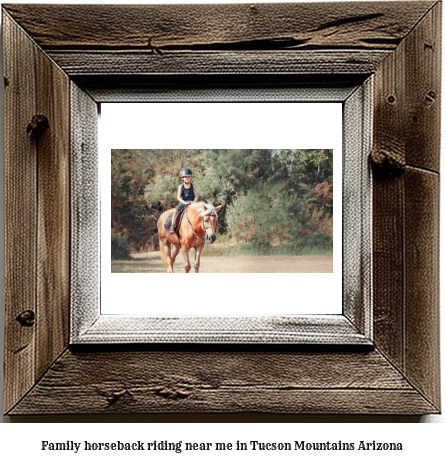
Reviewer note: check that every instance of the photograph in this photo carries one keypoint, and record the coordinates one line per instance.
(222, 210)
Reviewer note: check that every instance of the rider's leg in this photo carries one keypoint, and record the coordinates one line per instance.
(173, 226)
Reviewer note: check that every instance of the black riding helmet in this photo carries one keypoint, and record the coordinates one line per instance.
(185, 172)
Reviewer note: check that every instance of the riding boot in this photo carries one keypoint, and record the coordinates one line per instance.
(173, 226)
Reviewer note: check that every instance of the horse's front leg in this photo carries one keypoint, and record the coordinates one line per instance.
(170, 262)
(185, 254)
(198, 251)
(174, 253)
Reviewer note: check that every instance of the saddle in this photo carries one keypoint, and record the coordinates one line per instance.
(168, 221)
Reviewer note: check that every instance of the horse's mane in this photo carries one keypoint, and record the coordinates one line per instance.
(205, 208)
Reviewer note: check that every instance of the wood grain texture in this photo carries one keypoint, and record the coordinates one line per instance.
(223, 382)
(159, 27)
(260, 91)
(406, 241)
(421, 211)
(390, 110)
(218, 87)
(422, 281)
(79, 63)
(20, 212)
(423, 91)
(53, 227)
(37, 218)
(84, 204)
(203, 39)
(357, 209)
(109, 329)
(388, 268)
(388, 201)
(407, 114)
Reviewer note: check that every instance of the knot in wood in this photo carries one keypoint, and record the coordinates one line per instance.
(37, 126)
(114, 397)
(387, 163)
(172, 393)
(26, 318)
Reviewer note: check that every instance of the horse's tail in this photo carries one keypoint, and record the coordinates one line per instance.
(163, 255)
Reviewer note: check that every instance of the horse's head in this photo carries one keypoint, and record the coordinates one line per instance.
(209, 215)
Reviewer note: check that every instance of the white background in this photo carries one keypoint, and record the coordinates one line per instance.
(20, 442)
(220, 125)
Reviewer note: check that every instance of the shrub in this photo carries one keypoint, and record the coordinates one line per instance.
(120, 249)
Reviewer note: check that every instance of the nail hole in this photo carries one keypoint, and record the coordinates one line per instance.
(430, 97)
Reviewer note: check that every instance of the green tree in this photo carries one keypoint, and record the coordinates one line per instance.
(131, 218)
(229, 173)
(293, 205)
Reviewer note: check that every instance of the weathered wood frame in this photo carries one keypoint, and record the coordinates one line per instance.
(75, 56)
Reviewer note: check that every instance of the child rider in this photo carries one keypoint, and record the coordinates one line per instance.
(187, 193)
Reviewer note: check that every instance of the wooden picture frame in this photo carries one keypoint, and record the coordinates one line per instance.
(60, 67)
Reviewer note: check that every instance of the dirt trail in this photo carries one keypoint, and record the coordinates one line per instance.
(150, 262)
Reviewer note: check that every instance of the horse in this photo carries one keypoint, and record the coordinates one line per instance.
(197, 227)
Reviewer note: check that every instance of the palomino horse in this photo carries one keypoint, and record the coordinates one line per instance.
(197, 227)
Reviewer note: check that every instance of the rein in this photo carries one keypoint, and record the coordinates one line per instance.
(203, 227)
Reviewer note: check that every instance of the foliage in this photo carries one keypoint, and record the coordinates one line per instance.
(130, 173)
(229, 173)
(273, 199)
(119, 248)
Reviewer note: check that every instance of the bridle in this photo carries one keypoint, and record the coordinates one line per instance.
(212, 215)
